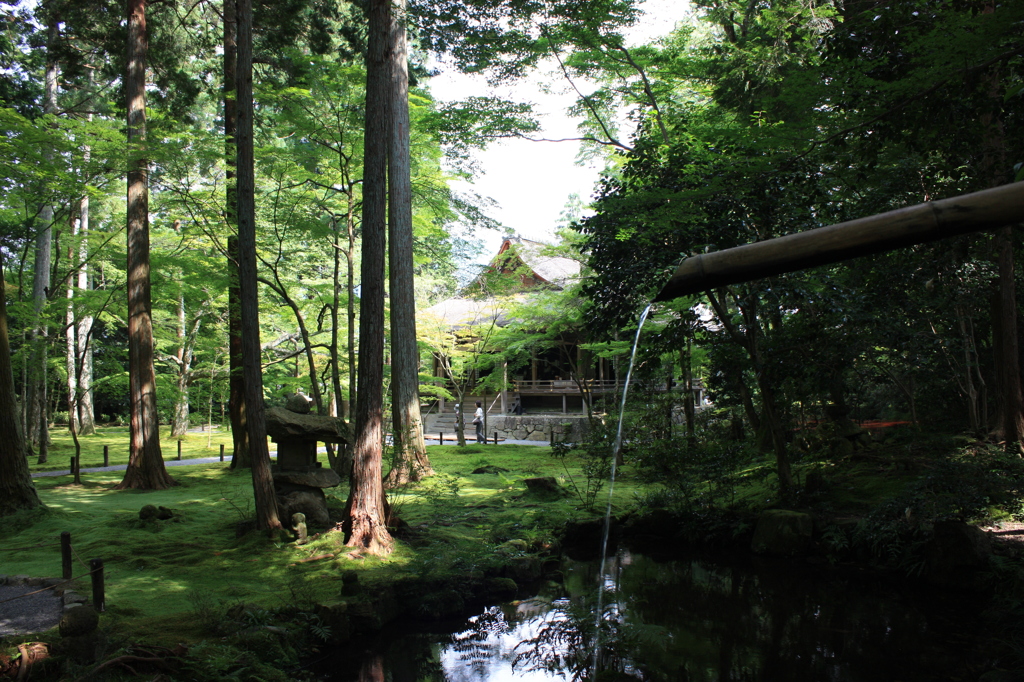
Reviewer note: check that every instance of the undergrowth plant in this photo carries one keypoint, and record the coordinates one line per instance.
(595, 461)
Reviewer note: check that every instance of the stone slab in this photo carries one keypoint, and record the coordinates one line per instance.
(284, 424)
(317, 478)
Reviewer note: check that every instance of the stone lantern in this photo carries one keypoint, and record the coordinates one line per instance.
(299, 479)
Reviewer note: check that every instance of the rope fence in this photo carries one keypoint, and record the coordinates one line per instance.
(51, 587)
(16, 549)
(68, 553)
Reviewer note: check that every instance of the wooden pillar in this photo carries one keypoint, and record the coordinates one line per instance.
(565, 404)
(533, 365)
(504, 388)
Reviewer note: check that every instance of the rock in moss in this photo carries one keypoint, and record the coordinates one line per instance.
(335, 617)
(80, 620)
(955, 554)
(543, 484)
(490, 469)
(782, 532)
(498, 588)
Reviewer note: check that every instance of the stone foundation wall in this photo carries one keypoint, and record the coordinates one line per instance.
(537, 427)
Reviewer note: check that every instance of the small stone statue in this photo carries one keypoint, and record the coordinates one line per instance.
(299, 526)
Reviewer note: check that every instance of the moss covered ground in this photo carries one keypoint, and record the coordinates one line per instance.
(158, 571)
(166, 579)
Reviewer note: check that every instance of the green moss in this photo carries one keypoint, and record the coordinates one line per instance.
(479, 524)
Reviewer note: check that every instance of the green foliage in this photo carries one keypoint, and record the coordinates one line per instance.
(594, 458)
(441, 491)
(692, 474)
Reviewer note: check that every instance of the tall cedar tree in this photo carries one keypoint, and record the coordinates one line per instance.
(145, 462)
(255, 417)
(236, 400)
(16, 489)
(410, 462)
(35, 415)
(365, 525)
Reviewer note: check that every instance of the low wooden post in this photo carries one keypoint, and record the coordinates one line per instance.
(98, 591)
(495, 437)
(71, 467)
(65, 555)
(106, 455)
(440, 437)
(222, 452)
(179, 450)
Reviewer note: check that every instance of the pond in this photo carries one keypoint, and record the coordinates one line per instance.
(692, 619)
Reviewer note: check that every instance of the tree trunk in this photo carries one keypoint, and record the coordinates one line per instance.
(350, 221)
(71, 343)
(179, 427)
(262, 482)
(1008, 365)
(366, 517)
(410, 460)
(36, 408)
(307, 344)
(1010, 399)
(341, 462)
(686, 360)
(240, 458)
(16, 489)
(86, 410)
(145, 461)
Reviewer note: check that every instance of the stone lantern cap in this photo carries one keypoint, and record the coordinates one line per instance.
(283, 425)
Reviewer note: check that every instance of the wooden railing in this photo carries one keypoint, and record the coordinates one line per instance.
(562, 385)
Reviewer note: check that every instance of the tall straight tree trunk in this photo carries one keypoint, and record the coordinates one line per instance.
(186, 356)
(342, 404)
(86, 409)
(240, 458)
(71, 343)
(16, 489)
(1009, 364)
(145, 462)
(35, 425)
(256, 422)
(366, 523)
(350, 277)
(1010, 398)
(410, 461)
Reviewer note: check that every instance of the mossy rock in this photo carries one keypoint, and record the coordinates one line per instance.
(440, 604)
(77, 621)
(782, 532)
(335, 616)
(490, 469)
(497, 589)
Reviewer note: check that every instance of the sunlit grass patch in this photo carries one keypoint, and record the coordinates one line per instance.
(155, 568)
(116, 439)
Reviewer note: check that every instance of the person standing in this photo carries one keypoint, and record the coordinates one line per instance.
(478, 421)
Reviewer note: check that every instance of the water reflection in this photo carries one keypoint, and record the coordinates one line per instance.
(698, 620)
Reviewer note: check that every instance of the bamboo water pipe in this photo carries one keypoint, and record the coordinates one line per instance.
(986, 210)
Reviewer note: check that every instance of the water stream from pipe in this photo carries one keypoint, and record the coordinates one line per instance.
(616, 448)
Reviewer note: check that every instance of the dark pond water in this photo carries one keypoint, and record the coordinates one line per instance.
(691, 620)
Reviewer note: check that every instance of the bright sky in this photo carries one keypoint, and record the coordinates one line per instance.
(532, 181)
